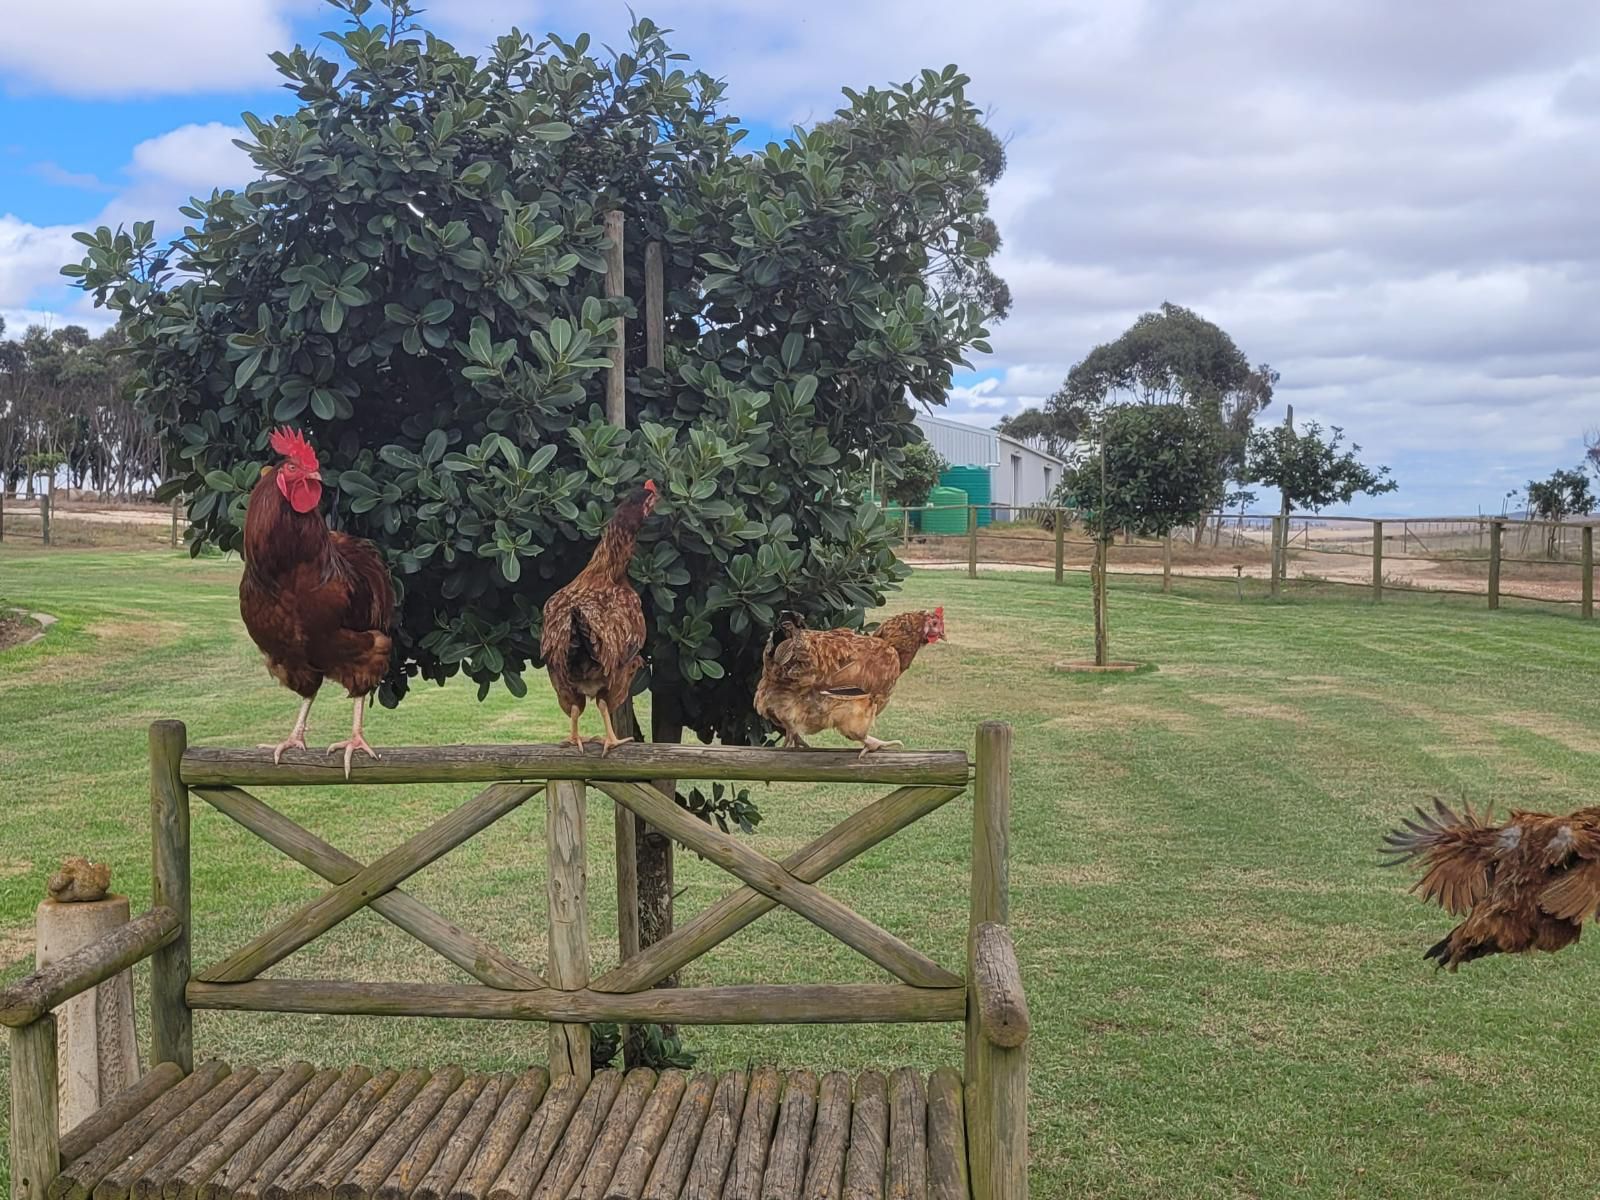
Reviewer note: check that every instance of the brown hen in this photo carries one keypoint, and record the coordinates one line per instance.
(1528, 883)
(594, 627)
(815, 679)
(318, 604)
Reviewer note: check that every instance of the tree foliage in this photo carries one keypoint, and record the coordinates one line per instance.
(1310, 470)
(1149, 470)
(1173, 356)
(917, 475)
(1054, 428)
(417, 278)
(1566, 493)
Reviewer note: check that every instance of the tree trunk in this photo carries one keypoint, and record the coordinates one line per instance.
(1101, 648)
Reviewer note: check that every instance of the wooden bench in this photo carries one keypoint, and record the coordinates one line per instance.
(215, 1132)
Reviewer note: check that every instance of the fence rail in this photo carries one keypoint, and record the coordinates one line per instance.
(1492, 558)
(71, 522)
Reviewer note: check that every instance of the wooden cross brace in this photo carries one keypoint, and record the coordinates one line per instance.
(789, 884)
(375, 886)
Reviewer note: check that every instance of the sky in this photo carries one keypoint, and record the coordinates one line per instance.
(1392, 204)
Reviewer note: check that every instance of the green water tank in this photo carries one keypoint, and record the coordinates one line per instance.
(938, 518)
(974, 481)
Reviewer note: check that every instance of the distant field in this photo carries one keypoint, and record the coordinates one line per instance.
(1228, 994)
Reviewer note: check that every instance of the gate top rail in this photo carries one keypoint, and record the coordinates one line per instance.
(205, 766)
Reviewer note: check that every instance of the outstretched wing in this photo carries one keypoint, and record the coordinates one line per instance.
(1573, 854)
(1457, 853)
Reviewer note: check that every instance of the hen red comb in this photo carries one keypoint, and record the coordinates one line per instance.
(292, 444)
(650, 486)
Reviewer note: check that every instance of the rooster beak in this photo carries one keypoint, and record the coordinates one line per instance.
(317, 475)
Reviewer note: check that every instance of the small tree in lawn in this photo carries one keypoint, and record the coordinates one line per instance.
(917, 475)
(1566, 493)
(1311, 471)
(1151, 468)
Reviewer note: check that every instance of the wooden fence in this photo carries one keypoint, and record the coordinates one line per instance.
(987, 997)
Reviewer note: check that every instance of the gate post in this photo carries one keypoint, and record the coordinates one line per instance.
(171, 1022)
(569, 917)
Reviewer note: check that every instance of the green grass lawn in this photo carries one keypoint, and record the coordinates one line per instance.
(1228, 994)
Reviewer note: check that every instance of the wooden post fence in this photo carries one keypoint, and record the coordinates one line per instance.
(1496, 534)
(1587, 610)
(972, 541)
(174, 540)
(1166, 563)
(996, 1075)
(569, 919)
(1061, 544)
(35, 1133)
(1377, 561)
(44, 517)
(171, 1022)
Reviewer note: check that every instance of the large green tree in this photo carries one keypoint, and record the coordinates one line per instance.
(417, 277)
(1174, 356)
(1310, 470)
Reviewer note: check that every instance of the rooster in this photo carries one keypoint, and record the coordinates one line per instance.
(1528, 883)
(594, 627)
(815, 679)
(318, 604)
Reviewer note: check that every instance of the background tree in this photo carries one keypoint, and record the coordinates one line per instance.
(65, 401)
(417, 278)
(1055, 429)
(1175, 356)
(1565, 494)
(1150, 470)
(917, 475)
(1309, 470)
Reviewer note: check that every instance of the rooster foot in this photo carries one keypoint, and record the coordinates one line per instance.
(606, 744)
(872, 743)
(355, 742)
(574, 740)
(795, 742)
(295, 741)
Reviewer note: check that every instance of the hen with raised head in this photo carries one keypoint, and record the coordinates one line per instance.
(816, 679)
(1527, 883)
(319, 604)
(594, 632)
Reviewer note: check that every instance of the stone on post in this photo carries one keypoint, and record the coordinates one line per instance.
(95, 1043)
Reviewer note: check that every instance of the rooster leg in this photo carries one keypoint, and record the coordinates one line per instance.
(870, 743)
(611, 739)
(297, 736)
(356, 741)
(574, 738)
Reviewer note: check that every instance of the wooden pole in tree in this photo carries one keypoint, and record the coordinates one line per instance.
(569, 918)
(996, 1076)
(616, 378)
(1166, 562)
(1496, 532)
(171, 1022)
(1377, 561)
(1102, 636)
(35, 1132)
(972, 541)
(1587, 611)
(1277, 553)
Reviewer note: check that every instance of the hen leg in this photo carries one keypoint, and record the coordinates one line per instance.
(870, 743)
(297, 736)
(355, 741)
(574, 738)
(611, 739)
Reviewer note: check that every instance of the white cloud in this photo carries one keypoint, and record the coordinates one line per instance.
(163, 172)
(152, 47)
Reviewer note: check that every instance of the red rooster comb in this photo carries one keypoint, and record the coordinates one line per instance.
(650, 486)
(292, 444)
(939, 612)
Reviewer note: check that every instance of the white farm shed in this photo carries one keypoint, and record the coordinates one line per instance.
(1019, 474)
